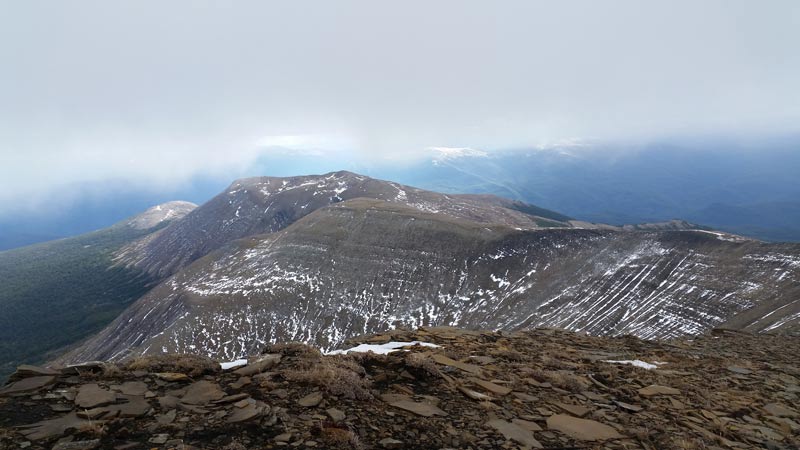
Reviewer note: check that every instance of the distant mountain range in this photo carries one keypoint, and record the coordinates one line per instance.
(748, 191)
(748, 188)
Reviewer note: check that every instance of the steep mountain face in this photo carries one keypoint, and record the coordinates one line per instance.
(366, 265)
(267, 204)
(56, 293)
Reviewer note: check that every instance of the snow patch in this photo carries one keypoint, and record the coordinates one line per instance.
(382, 349)
(233, 364)
(635, 363)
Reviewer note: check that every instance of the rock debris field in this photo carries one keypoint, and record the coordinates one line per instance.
(543, 388)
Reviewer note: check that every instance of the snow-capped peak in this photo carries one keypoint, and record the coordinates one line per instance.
(161, 213)
(444, 153)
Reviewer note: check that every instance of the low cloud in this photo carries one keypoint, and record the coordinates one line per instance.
(159, 92)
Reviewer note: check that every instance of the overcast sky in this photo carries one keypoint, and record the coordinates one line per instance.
(161, 90)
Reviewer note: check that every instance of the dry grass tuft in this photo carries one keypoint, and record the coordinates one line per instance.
(336, 435)
(297, 349)
(549, 361)
(421, 366)
(510, 355)
(192, 365)
(234, 445)
(561, 379)
(338, 375)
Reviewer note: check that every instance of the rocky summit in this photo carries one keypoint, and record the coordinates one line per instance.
(432, 388)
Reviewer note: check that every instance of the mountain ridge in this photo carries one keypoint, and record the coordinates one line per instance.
(367, 265)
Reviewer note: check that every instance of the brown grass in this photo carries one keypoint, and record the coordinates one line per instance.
(561, 379)
(338, 375)
(421, 366)
(509, 355)
(192, 365)
(335, 436)
(297, 349)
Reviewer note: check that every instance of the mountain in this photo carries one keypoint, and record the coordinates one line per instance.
(320, 259)
(259, 205)
(457, 389)
(56, 293)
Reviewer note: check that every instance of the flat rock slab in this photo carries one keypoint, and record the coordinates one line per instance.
(336, 415)
(83, 368)
(776, 409)
(47, 429)
(78, 445)
(232, 398)
(390, 443)
(583, 429)
(474, 394)
(172, 376)
(575, 410)
(654, 389)
(263, 363)
(91, 395)
(491, 387)
(628, 406)
(61, 407)
(525, 397)
(27, 385)
(249, 412)
(168, 401)
(167, 418)
(132, 388)
(419, 408)
(135, 406)
(391, 398)
(515, 433)
(445, 361)
(27, 370)
(202, 392)
(527, 424)
(482, 359)
(739, 370)
(312, 399)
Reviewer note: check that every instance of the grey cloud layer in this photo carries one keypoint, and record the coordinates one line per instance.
(160, 90)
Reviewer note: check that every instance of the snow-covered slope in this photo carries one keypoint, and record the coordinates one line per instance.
(159, 214)
(365, 265)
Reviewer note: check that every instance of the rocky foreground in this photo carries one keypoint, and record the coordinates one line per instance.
(477, 390)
